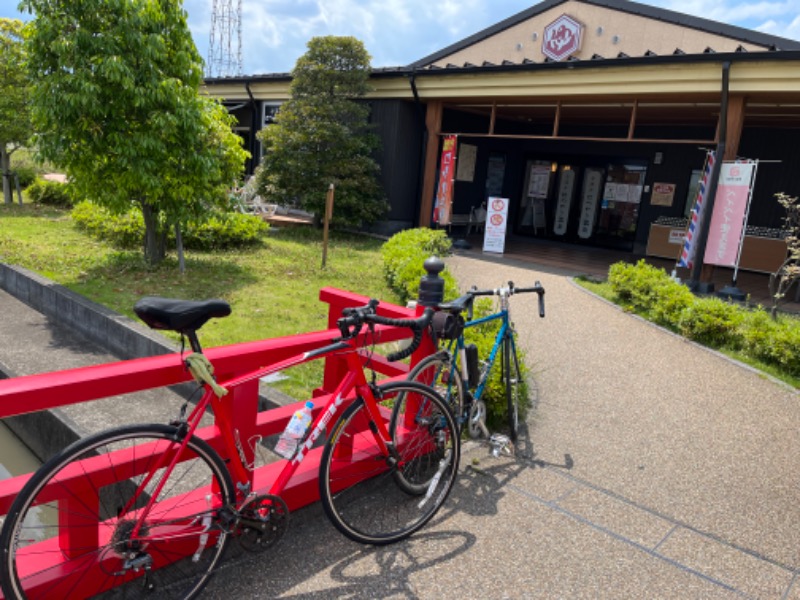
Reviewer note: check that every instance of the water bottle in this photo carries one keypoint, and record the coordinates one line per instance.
(294, 432)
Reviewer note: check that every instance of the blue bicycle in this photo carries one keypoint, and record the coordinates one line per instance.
(454, 370)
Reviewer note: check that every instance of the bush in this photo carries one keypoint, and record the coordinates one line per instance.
(52, 193)
(404, 255)
(403, 258)
(221, 231)
(124, 231)
(650, 292)
(712, 322)
(26, 175)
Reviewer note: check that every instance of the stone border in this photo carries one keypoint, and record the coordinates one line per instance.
(118, 334)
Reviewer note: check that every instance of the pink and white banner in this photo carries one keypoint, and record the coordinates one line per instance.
(730, 208)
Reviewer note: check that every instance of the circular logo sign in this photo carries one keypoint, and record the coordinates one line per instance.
(562, 38)
(497, 220)
(498, 204)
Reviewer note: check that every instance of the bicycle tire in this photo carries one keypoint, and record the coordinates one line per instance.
(183, 514)
(516, 396)
(370, 497)
(440, 371)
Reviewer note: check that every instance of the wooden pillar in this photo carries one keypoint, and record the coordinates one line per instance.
(733, 135)
(433, 122)
(736, 106)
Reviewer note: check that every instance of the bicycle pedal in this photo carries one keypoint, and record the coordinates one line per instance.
(501, 445)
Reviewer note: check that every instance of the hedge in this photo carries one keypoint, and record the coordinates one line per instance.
(653, 294)
(222, 230)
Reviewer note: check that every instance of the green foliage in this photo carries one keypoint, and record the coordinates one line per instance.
(123, 231)
(15, 123)
(321, 137)
(221, 231)
(650, 292)
(51, 193)
(26, 175)
(117, 107)
(712, 322)
(404, 256)
(782, 280)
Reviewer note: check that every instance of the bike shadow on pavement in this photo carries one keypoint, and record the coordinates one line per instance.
(315, 561)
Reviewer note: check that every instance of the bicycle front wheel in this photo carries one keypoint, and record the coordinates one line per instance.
(516, 388)
(75, 530)
(375, 498)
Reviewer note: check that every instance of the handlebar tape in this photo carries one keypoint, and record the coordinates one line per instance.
(416, 325)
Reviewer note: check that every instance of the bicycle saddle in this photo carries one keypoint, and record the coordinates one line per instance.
(179, 315)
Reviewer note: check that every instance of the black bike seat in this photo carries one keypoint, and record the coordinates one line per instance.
(179, 315)
(458, 305)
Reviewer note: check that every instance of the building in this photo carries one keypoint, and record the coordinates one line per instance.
(593, 117)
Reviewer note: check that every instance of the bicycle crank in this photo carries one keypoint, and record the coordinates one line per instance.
(262, 522)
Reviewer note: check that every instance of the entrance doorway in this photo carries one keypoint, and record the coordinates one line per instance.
(582, 200)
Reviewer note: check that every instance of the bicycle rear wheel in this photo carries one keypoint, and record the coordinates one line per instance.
(377, 499)
(516, 388)
(70, 532)
(440, 371)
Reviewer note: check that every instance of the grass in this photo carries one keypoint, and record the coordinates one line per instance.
(273, 288)
(603, 289)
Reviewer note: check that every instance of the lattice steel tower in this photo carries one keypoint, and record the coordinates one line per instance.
(225, 45)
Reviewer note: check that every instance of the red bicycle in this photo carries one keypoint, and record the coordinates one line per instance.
(169, 505)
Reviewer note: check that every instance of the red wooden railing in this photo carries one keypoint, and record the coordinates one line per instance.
(33, 393)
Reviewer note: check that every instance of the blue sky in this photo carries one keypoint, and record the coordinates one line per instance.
(398, 32)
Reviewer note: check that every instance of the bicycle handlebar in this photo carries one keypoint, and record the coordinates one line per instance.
(354, 318)
(510, 290)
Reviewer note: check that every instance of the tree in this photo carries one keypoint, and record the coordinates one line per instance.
(321, 136)
(116, 105)
(15, 124)
(782, 280)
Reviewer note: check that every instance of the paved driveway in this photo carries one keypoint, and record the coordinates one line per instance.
(653, 469)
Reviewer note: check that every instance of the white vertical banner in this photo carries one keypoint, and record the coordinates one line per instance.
(590, 196)
(494, 237)
(566, 187)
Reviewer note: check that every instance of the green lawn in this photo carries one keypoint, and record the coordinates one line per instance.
(273, 288)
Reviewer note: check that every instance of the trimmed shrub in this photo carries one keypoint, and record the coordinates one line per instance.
(404, 255)
(403, 258)
(712, 322)
(51, 193)
(220, 231)
(650, 292)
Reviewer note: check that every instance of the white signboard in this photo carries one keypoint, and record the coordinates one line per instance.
(494, 238)
(592, 186)
(566, 185)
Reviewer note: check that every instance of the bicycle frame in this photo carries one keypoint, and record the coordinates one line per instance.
(457, 345)
(240, 468)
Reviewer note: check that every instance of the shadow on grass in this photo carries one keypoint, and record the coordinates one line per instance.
(124, 277)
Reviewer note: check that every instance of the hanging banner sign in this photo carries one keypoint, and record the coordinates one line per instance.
(690, 239)
(494, 237)
(592, 186)
(566, 186)
(728, 220)
(442, 208)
